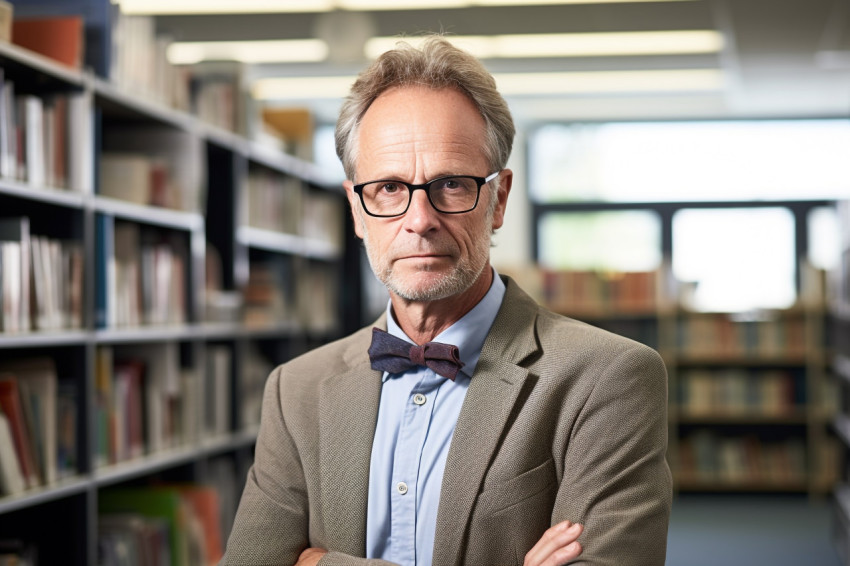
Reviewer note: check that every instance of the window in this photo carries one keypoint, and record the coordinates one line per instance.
(824, 238)
(732, 260)
(690, 161)
(615, 241)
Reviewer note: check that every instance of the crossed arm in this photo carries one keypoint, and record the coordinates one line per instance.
(557, 546)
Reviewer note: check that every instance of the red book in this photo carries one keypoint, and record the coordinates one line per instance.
(10, 402)
(59, 38)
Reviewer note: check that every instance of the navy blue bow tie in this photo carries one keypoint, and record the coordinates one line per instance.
(394, 355)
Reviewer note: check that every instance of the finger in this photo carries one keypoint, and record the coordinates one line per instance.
(555, 538)
(563, 555)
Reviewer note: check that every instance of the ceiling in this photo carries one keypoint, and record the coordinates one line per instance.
(782, 58)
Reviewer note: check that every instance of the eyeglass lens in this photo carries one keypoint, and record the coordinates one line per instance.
(449, 194)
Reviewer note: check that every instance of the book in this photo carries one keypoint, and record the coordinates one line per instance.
(126, 284)
(128, 388)
(104, 271)
(8, 130)
(164, 504)
(6, 16)
(124, 535)
(105, 415)
(139, 62)
(10, 403)
(37, 384)
(10, 284)
(126, 176)
(73, 263)
(219, 390)
(179, 153)
(57, 283)
(55, 140)
(204, 503)
(67, 399)
(159, 365)
(30, 110)
(80, 161)
(252, 377)
(60, 38)
(11, 476)
(221, 474)
(15, 238)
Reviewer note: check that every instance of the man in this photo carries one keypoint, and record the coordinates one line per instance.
(537, 440)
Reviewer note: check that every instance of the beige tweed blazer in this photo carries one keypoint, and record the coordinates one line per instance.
(561, 421)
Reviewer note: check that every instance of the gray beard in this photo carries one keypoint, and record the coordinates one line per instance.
(461, 278)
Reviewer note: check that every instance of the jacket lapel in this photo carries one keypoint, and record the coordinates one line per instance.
(348, 409)
(493, 392)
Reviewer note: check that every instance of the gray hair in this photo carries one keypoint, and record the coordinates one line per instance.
(437, 64)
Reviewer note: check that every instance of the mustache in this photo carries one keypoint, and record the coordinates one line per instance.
(423, 250)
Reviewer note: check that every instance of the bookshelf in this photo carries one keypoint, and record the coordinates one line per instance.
(748, 394)
(839, 341)
(144, 262)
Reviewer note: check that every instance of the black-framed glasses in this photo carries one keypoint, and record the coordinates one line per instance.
(454, 194)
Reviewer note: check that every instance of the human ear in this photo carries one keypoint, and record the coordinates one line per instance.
(354, 202)
(506, 179)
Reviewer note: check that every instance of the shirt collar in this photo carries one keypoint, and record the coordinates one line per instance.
(468, 333)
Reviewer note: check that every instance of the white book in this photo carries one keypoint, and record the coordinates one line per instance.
(58, 281)
(80, 143)
(8, 153)
(32, 112)
(10, 255)
(17, 230)
(10, 156)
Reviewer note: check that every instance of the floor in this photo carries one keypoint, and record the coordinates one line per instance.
(751, 531)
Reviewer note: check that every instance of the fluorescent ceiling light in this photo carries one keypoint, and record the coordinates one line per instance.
(271, 51)
(302, 88)
(572, 44)
(163, 7)
(485, 47)
(678, 80)
(518, 84)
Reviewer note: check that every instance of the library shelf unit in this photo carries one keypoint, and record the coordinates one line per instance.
(739, 410)
(748, 392)
(722, 437)
(839, 310)
(159, 302)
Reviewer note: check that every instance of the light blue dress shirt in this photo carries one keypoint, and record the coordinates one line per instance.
(416, 419)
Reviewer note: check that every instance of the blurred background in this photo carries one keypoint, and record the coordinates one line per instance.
(173, 226)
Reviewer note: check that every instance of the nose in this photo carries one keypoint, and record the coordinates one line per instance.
(420, 217)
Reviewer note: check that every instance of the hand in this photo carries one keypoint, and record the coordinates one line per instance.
(311, 556)
(557, 546)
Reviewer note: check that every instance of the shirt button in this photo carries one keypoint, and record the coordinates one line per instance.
(419, 399)
(401, 487)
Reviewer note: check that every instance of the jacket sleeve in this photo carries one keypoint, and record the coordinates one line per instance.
(271, 525)
(272, 522)
(616, 478)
